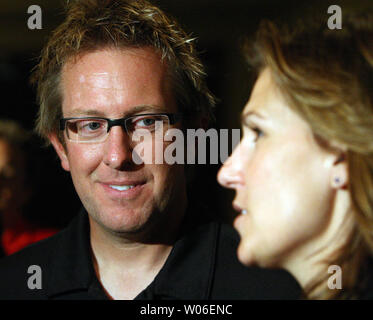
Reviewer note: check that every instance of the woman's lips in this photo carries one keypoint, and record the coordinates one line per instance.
(240, 223)
(239, 209)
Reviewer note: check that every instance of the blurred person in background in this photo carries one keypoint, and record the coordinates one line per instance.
(303, 171)
(18, 174)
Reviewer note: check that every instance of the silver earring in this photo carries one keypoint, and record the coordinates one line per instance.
(244, 212)
(337, 180)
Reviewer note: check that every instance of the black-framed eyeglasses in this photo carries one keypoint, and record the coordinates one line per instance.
(96, 129)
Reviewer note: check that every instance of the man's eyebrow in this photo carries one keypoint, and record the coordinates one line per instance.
(147, 108)
(89, 112)
(97, 113)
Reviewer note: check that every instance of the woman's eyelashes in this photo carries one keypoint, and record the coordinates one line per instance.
(254, 132)
(258, 133)
(252, 129)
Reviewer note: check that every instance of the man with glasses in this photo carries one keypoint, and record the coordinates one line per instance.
(110, 70)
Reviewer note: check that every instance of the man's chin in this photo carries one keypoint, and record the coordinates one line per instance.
(121, 224)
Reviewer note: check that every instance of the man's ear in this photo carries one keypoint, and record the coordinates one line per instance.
(60, 149)
(339, 176)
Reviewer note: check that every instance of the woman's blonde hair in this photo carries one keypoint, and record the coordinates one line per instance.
(326, 76)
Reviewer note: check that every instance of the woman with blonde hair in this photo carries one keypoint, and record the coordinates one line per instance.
(303, 171)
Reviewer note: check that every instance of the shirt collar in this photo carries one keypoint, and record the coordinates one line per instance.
(186, 274)
(70, 264)
(188, 271)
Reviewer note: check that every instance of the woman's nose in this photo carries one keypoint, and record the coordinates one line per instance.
(231, 174)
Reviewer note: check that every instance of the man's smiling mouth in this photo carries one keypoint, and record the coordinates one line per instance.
(121, 188)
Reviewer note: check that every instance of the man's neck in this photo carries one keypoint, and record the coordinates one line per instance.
(126, 269)
(126, 266)
(126, 253)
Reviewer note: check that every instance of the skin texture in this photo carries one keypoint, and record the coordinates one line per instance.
(285, 181)
(112, 84)
(132, 232)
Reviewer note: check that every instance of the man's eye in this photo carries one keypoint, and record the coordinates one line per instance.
(150, 122)
(91, 125)
(146, 122)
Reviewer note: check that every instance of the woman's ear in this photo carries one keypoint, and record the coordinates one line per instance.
(61, 151)
(339, 174)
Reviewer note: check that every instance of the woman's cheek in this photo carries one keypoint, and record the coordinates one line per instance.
(265, 183)
(273, 199)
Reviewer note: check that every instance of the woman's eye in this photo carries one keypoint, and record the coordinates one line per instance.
(258, 132)
(254, 133)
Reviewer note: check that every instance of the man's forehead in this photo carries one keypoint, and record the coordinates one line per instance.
(113, 78)
(108, 68)
(76, 112)
(101, 80)
(103, 56)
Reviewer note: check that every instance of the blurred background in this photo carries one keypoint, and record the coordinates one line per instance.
(219, 26)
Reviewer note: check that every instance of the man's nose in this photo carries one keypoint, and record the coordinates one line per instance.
(231, 174)
(118, 151)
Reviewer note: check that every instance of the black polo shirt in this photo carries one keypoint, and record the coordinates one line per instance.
(201, 265)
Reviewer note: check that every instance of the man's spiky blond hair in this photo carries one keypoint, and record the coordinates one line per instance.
(96, 24)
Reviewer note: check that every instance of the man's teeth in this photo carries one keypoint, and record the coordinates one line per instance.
(121, 188)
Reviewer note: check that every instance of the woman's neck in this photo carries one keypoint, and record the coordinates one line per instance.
(311, 262)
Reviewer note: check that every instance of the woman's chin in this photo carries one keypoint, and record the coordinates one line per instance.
(248, 256)
(245, 255)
